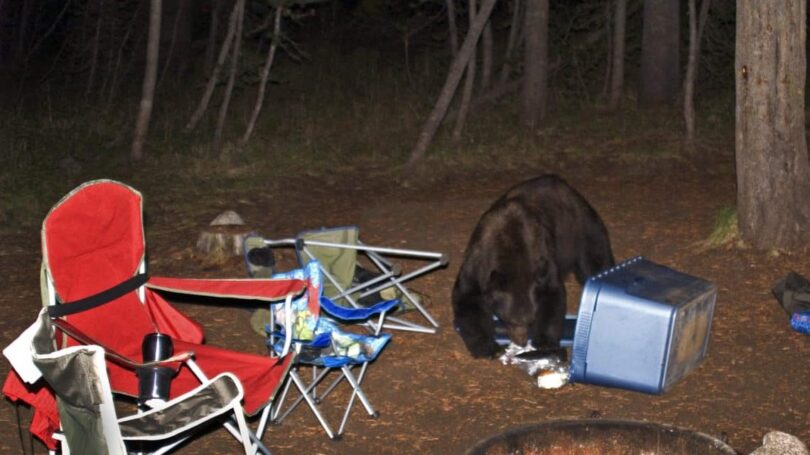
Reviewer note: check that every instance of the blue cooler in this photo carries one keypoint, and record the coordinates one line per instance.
(641, 326)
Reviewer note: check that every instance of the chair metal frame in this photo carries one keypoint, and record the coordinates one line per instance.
(115, 439)
(255, 437)
(390, 275)
(309, 393)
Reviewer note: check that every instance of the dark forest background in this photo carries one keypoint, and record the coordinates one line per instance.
(351, 86)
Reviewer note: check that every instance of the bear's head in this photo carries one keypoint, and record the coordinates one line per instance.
(510, 300)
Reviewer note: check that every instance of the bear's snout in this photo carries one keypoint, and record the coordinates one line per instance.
(518, 334)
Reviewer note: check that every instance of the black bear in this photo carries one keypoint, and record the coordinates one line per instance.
(517, 260)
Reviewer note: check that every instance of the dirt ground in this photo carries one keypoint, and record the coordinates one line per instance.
(433, 398)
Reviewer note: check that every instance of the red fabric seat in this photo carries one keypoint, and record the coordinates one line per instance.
(93, 240)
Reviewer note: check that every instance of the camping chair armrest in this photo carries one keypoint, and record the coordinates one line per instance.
(270, 290)
(207, 401)
(356, 314)
(70, 330)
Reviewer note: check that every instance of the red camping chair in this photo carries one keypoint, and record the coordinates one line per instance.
(93, 270)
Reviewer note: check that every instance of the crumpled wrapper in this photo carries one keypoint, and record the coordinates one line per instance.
(548, 366)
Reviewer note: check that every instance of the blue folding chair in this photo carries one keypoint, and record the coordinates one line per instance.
(319, 341)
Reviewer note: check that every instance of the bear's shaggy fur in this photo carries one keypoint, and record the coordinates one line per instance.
(517, 260)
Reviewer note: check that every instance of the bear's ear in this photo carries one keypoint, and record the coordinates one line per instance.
(497, 281)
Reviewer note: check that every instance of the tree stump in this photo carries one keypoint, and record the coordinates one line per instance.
(223, 238)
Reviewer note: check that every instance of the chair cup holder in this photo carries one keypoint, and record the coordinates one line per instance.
(154, 381)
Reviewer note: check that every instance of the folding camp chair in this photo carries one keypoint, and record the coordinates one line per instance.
(321, 343)
(339, 251)
(94, 278)
(78, 376)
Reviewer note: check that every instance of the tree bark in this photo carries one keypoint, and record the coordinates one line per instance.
(535, 81)
(226, 101)
(512, 42)
(617, 73)
(692, 65)
(469, 83)
(660, 61)
(773, 173)
(149, 79)
(268, 63)
(212, 81)
(450, 84)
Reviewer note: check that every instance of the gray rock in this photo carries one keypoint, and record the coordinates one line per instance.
(778, 443)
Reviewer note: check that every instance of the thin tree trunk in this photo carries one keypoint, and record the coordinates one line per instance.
(120, 55)
(450, 84)
(213, 31)
(469, 83)
(181, 10)
(268, 63)
(692, 65)
(486, 56)
(617, 73)
(3, 45)
(22, 31)
(96, 44)
(452, 29)
(50, 30)
(773, 173)
(535, 82)
(512, 43)
(149, 79)
(226, 101)
(212, 81)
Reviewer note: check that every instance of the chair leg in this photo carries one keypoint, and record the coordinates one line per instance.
(298, 400)
(355, 383)
(279, 404)
(198, 372)
(312, 405)
(265, 417)
(250, 449)
(331, 387)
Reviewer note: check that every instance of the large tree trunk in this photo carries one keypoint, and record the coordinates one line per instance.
(535, 80)
(149, 79)
(451, 83)
(660, 61)
(773, 173)
(695, 33)
(617, 67)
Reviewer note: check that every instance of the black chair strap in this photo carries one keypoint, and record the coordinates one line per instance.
(77, 306)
